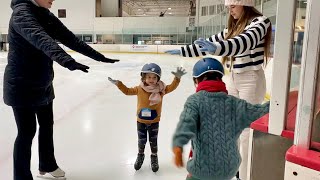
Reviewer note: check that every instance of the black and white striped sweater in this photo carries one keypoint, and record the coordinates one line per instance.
(247, 48)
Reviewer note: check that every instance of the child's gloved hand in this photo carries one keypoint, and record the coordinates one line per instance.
(113, 81)
(173, 52)
(206, 45)
(180, 72)
(178, 156)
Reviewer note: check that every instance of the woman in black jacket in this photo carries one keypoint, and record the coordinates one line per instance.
(33, 31)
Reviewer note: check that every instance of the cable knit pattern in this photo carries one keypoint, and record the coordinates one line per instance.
(214, 121)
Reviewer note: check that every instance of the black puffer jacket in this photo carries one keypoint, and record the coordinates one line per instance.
(32, 50)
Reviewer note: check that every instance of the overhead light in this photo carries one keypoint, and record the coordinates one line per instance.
(144, 14)
(170, 13)
(169, 8)
(139, 9)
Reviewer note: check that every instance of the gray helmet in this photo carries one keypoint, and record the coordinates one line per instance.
(207, 65)
(151, 68)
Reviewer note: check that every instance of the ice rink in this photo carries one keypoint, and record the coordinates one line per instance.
(95, 125)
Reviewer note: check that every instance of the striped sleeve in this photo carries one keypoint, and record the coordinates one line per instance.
(218, 37)
(252, 37)
(193, 50)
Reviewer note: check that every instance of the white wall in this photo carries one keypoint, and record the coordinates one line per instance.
(109, 8)
(300, 12)
(80, 18)
(5, 13)
(80, 14)
(128, 25)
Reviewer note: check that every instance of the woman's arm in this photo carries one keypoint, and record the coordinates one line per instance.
(244, 41)
(25, 24)
(193, 50)
(66, 37)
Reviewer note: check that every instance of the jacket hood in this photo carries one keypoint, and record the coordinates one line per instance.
(16, 2)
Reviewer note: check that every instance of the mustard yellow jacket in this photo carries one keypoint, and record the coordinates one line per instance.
(143, 99)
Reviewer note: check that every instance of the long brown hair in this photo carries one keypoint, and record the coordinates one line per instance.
(237, 26)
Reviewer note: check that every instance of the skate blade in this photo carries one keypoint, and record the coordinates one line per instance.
(49, 176)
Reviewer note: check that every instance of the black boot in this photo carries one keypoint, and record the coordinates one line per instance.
(154, 163)
(237, 176)
(139, 161)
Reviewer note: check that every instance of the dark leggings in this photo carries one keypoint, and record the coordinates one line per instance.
(26, 120)
(152, 130)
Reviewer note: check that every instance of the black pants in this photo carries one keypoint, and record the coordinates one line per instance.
(152, 130)
(27, 126)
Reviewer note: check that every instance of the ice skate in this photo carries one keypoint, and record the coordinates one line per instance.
(237, 176)
(57, 174)
(154, 163)
(139, 161)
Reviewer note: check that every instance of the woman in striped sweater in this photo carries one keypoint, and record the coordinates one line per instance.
(244, 47)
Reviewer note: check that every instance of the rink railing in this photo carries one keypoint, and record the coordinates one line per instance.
(129, 48)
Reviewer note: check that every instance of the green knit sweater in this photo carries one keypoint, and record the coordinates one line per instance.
(214, 121)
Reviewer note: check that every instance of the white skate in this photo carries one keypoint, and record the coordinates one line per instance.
(58, 174)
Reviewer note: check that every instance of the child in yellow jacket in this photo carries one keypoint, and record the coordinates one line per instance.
(149, 93)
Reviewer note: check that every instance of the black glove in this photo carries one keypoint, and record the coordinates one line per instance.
(107, 60)
(73, 65)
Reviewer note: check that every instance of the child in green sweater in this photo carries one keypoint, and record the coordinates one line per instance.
(213, 121)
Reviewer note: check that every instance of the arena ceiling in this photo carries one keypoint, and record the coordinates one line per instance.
(155, 7)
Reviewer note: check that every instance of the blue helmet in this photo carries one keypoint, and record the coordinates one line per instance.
(207, 65)
(151, 68)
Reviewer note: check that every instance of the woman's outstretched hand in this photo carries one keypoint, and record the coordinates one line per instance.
(206, 46)
(173, 52)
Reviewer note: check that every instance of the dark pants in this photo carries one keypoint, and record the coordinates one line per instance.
(1, 45)
(152, 130)
(27, 126)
